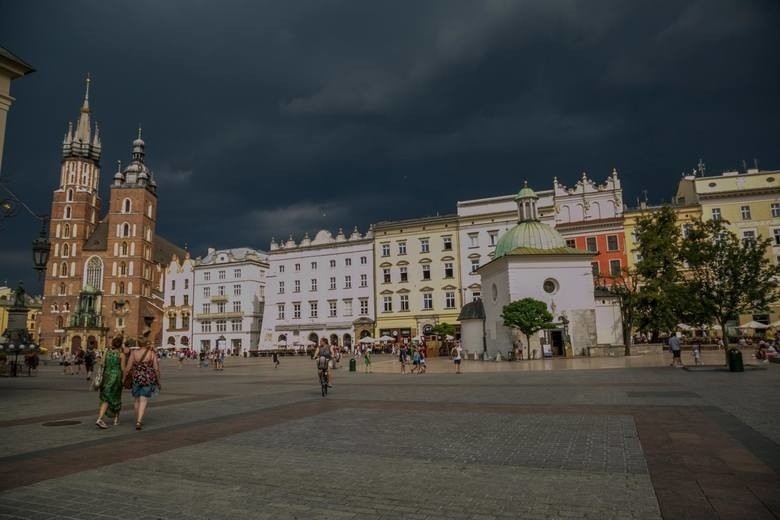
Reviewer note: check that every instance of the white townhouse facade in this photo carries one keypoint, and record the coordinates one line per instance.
(229, 300)
(320, 288)
(178, 298)
(480, 223)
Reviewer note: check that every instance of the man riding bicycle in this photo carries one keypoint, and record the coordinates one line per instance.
(322, 356)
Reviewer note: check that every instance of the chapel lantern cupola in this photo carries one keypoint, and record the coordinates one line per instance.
(526, 204)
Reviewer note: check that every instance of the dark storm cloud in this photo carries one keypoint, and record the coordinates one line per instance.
(270, 118)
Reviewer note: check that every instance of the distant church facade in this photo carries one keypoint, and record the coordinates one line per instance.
(105, 274)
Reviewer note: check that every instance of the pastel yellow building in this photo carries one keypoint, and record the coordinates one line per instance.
(686, 213)
(417, 277)
(749, 202)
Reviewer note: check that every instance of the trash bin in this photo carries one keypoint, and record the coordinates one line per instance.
(735, 361)
(352, 365)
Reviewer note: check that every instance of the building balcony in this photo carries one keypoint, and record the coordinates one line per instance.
(218, 315)
(219, 298)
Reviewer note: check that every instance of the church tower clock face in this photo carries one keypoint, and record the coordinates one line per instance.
(550, 286)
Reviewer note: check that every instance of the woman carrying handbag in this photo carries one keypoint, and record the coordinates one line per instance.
(145, 370)
(108, 380)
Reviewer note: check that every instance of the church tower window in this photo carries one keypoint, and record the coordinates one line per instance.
(124, 249)
(94, 272)
(69, 196)
(126, 206)
(68, 212)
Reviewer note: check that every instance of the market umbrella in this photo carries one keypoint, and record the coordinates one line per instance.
(449, 338)
(775, 324)
(386, 338)
(683, 326)
(753, 325)
(309, 343)
(367, 339)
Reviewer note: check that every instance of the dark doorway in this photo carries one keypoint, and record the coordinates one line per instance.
(556, 342)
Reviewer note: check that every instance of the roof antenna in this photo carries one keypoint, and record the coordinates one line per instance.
(701, 167)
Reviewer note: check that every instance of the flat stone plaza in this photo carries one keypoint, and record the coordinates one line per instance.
(585, 438)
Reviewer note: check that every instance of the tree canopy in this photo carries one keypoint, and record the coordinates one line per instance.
(529, 316)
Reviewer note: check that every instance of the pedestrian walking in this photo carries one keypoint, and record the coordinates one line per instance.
(674, 346)
(423, 366)
(112, 375)
(275, 356)
(181, 359)
(457, 354)
(145, 370)
(67, 359)
(696, 354)
(89, 362)
(402, 358)
(416, 360)
(367, 360)
(79, 361)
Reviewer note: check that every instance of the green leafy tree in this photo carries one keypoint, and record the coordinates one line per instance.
(529, 316)
(658, 272)
(443, 329)
(728, 276)
(625, 288)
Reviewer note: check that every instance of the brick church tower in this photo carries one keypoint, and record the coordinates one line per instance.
(104, 277)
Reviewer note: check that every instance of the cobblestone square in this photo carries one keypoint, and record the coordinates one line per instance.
(521, 440)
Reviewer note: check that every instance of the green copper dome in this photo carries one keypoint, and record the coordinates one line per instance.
(526, 193)
(530, 234)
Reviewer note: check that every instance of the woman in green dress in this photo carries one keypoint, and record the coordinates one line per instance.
(111, 385)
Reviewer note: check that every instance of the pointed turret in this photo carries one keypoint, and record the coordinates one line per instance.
(83, 129)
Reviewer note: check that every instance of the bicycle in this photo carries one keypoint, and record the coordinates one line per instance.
(323, 373)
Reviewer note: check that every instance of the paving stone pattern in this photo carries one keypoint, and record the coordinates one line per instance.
(500, 441)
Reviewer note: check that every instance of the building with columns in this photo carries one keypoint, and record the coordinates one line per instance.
(229, 298)
(105, 273)
(320, 288)
(178, 301)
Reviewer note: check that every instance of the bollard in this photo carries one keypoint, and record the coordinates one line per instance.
(352, 365)
(735, 361)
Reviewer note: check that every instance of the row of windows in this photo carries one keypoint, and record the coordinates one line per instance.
(425, 246)
(332, 263)
(314, 284)
(221, 325)
(427, 301)
(592, 245)
(221, 290)
(474, 239)
(222, 274)
(220, 307)
(314, 309)
(186, 300)
(614, 268)
(185, 322)
(403, 272)
(745, 212)
(186, 284)
(67, 214)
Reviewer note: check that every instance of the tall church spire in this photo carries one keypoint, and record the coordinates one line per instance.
(83, 129)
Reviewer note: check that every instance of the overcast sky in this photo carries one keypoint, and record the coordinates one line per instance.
(267, 118)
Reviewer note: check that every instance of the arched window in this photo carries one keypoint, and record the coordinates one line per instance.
(69, 196)
(149, 209)
(94, 275)
(127, 206)
(67, 212)
(60, 322)
(66, 307)
(124, 249)
(122, 269)
(121, 287)
(65, 250)
(62, 289)
(125, 229)
(66, 231)
(63, 269)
